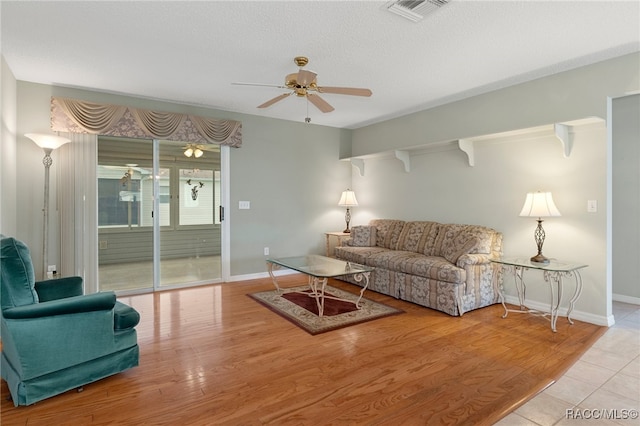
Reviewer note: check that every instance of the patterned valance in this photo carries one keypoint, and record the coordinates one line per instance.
(74, 116)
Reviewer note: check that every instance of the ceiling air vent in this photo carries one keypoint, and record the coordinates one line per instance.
(415, 10)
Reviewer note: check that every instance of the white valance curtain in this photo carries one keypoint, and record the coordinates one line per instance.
(75, 116)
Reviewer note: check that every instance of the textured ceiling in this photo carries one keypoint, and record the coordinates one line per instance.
(191, 52)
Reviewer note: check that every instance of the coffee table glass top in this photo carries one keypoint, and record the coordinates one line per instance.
(320, 266)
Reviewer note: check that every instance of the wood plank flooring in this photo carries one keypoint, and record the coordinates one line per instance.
(211, 355)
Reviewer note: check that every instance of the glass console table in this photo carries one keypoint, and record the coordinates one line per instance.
(553, 273)
(319, 269)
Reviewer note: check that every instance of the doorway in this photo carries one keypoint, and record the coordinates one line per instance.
(159, 223)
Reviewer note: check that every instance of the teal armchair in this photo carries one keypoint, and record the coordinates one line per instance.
(54, 338)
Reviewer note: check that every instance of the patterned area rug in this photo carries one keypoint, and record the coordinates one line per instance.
(295, 305)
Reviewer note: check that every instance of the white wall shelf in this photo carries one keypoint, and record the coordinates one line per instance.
(564, 132)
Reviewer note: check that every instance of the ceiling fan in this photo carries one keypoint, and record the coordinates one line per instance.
(304, 84)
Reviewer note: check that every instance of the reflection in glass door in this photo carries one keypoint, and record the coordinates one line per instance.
(190, 242)
(182, 202)
(125, 222)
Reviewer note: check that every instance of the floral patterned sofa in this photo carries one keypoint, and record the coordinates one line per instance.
(441, 266)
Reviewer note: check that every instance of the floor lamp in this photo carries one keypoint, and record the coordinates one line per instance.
(48, 143)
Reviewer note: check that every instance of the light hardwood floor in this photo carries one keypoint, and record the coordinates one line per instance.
(212, 355)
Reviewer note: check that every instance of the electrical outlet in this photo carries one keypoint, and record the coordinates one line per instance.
(51, 268)
(103, 245)
(266, 251)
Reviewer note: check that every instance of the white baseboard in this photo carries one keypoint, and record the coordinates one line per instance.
(626, 299)
(260, 275)
(562, 312)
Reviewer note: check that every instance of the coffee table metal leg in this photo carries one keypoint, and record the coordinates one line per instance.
(270, 268)
(317, 287)
(358, 278)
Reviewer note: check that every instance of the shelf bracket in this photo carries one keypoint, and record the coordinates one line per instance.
(405, 158)
(358, 163)
(565, 134)
(466, 146)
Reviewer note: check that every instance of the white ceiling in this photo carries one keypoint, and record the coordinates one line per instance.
(191, 52)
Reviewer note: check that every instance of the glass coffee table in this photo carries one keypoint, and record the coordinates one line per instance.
(319, 269)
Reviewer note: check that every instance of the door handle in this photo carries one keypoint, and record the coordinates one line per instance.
(221, 213)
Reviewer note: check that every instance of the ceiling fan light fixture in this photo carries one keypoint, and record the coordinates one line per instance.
(304, 81)
(198, 153)
(188, 152)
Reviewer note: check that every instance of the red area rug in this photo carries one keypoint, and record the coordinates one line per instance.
(297, 306)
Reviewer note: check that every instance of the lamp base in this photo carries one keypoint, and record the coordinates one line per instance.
(539, 258)
(346, 231)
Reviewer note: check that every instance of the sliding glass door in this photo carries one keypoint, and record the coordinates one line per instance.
(190, 235)
(158, 215)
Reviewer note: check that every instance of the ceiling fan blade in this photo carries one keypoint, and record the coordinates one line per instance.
(320, 103)
(354, 91)
(279, 86)
(305, 77)
(274, 100)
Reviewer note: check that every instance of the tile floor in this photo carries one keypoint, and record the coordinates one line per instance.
(602, 388)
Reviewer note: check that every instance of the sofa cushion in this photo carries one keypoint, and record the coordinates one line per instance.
(419, 237)
(387, 232)
(433, 267)
(357, 254)
(18, 279)
(363, 236)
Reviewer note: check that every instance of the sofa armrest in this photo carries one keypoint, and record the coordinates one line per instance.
(70, 305)
(59, 288)
(473, 259)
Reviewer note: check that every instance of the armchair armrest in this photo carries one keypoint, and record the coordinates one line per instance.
(59, 288)
(70, 305)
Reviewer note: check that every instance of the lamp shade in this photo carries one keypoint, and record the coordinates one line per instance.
(348, 199)
(46, 141)
(539, 204)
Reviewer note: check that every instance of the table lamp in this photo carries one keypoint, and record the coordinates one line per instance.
(348, 199)
(539, 204)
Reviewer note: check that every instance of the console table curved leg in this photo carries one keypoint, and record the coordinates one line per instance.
(555, 282)
(521, 286)
(576, 294)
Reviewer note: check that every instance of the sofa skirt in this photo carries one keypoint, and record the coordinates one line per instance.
(450, 298)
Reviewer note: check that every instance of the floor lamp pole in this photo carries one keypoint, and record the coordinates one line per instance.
(47, 161)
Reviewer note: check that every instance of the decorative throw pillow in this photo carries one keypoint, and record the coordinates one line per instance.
(363, 236)
(460, 245)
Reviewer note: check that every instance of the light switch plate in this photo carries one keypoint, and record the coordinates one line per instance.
(592, 206)
(244, 205)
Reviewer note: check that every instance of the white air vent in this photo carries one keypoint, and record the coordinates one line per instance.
(415, 10)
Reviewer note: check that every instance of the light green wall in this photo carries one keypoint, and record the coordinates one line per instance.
(566, 96)
(289, 171)
(8, 215)
(626, 197)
